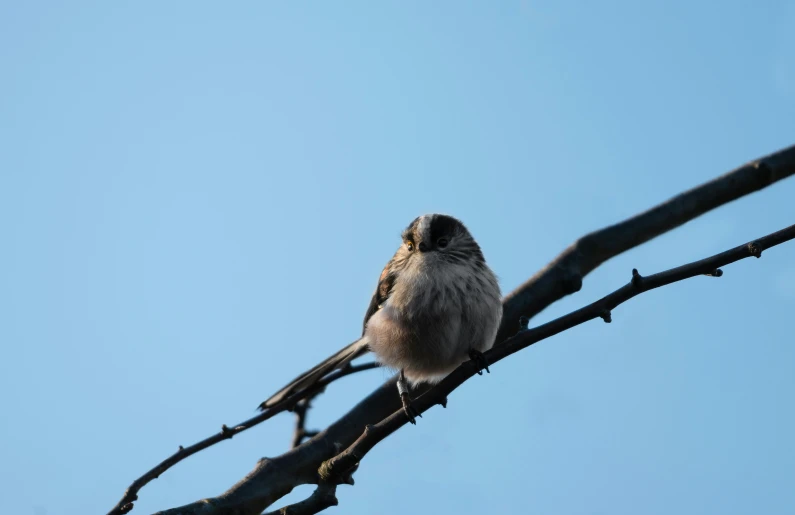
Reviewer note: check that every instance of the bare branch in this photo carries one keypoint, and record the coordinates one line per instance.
(250, 495)
(300, 432)
(565, 273)
(302, 407)
(323, 497)
(226, 433)
(337, 467)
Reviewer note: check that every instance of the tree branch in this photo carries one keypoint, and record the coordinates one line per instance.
(565, 273)
(563, 276)
(323, 497)
(300, 433)
(337, 467)
(302, 407)
(226, 433)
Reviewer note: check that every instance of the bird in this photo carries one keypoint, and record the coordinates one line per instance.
(437, 304)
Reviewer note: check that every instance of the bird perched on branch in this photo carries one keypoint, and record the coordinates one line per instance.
(437, 305)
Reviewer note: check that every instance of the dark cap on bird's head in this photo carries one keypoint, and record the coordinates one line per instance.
(439, 232)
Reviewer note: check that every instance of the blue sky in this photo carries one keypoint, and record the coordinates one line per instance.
(196, 200)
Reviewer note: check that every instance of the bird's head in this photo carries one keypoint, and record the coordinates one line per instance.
(438, 237)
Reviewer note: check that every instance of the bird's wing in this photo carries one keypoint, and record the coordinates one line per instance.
(382, 291)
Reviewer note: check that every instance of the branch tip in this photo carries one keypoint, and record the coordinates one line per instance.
(348, 478)
(636, 278)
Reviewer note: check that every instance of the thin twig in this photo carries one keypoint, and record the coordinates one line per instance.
(337, 467)
(226, 433)
(300, 433)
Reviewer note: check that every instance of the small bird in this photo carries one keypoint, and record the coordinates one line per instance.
(437, 304)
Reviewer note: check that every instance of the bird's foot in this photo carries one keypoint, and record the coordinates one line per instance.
(408, 409)
(405, 398)
(480, 360)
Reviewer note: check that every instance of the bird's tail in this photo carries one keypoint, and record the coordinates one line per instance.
(307, 379)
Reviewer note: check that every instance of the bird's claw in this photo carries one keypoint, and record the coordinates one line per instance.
(408, 409)
(480, 360)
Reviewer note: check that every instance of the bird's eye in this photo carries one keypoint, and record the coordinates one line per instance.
(410, 246)
(441, 242)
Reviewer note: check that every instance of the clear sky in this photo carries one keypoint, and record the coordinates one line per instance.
(196, 199)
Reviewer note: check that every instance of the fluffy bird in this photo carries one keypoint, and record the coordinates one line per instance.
(437, 304)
